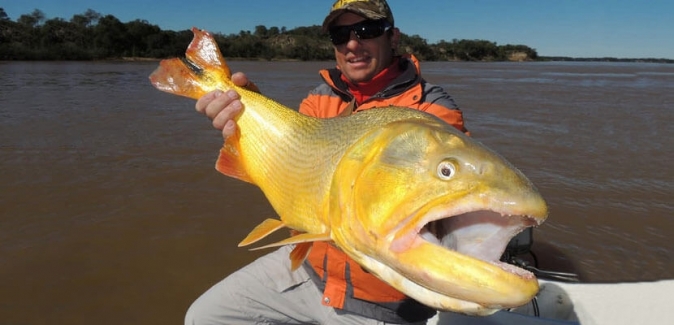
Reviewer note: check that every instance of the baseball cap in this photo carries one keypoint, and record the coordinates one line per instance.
(370, 9)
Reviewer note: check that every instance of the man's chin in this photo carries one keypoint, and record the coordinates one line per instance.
(358, 75)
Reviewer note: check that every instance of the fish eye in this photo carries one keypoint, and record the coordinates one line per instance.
(446, 170)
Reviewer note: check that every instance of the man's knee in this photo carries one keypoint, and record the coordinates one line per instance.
(212, 307)
(199, 314)
(192, 316)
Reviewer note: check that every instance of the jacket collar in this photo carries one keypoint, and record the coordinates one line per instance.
(410, 76)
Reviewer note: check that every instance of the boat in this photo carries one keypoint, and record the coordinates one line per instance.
(647, 303)
(563, 300)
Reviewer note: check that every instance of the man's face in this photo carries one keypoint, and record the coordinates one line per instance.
(362, 59)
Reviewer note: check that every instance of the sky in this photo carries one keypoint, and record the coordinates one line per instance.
(575, 28)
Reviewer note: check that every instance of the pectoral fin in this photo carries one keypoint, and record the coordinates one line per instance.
(262, 230)
(299, 254)
(302, 238)
(229, 162)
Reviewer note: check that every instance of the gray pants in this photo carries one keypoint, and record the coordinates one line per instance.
(267, 292)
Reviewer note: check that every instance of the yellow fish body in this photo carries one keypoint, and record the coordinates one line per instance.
(410, 198)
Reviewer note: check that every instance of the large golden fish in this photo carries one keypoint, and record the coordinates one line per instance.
(407, 196)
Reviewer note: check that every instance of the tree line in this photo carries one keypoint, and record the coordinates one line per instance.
(94, 36)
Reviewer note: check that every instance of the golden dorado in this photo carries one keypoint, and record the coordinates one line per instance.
(410, 198)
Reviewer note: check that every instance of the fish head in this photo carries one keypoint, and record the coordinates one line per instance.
(430, 211)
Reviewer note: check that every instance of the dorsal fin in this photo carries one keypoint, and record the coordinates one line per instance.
(262, 230)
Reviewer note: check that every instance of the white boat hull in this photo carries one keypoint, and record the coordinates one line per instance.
(562, 303)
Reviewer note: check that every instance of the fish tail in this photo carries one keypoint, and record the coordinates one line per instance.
(203, 69)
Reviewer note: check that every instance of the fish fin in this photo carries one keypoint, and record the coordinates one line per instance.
(229, 162)
(204, 52)
(202, 70)
(349, 108)
(193, 76)
(176, 77)
(299, 254)
(262, 230)
(299, 239)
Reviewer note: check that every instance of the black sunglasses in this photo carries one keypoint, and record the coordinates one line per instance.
(366, 29)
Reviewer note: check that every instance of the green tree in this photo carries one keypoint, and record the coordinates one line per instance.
(3, 15)
(139, 32)
(33, 19)
(506, 52)
(110, 38)
(315, 31)
(261, 32)
(418, 46)
(8, 29)
(86, 19)
(84, 26)
(90, 35)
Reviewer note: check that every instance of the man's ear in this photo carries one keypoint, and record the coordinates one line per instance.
(395, 38)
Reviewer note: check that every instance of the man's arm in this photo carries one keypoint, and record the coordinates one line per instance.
(439, 103)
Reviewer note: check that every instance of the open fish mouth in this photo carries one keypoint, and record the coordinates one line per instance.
(482, 235)
(452, 256)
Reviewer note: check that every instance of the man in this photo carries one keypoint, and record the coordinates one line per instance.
(329, 288)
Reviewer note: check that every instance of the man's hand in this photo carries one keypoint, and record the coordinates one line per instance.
(221, 107)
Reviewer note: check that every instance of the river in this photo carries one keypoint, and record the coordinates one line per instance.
(111, 211)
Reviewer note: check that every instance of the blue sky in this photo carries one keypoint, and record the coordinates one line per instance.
(579, 28)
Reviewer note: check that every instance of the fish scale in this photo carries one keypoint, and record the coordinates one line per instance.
(281, 141)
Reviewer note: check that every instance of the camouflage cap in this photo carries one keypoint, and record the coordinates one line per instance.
(370, 9)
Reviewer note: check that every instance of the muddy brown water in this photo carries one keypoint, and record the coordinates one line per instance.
(111, 211)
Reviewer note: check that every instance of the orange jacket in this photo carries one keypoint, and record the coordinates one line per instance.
(409, 90)
(344, 283)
